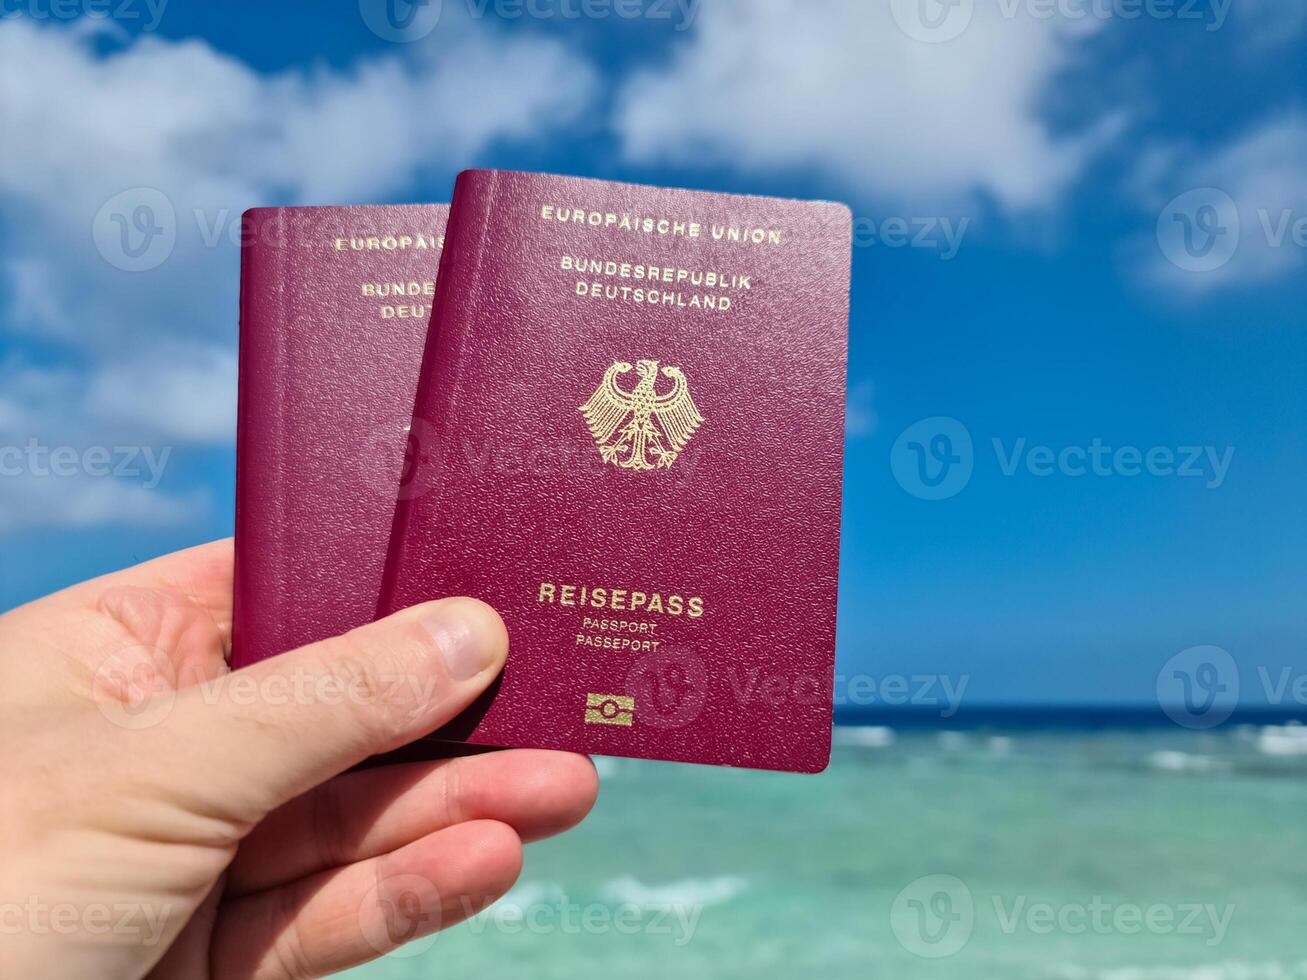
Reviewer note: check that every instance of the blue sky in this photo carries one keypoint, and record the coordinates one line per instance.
(1080, 232)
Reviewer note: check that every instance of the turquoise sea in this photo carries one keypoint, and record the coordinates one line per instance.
(1150, 855)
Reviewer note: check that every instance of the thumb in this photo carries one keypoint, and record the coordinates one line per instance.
(263, 735)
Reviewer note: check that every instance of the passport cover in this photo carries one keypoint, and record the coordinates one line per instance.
(633, 408)
(335, 303)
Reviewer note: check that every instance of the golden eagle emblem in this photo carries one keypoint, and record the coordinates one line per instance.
(641, 429)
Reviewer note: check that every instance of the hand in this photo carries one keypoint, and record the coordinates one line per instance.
(162, 817)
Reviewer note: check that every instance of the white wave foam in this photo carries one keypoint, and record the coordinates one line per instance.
(607, 767)
(953, 741)
(1000, 744)
(1171, 761)
(527, 894)
(700, 892)
(1283, 740)
(1230, 970)
(864, 737)
(1209, 971)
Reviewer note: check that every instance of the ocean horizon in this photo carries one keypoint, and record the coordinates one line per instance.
(1070, 716)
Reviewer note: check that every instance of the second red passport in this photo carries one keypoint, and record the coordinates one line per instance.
(334, 309)
(631, 428)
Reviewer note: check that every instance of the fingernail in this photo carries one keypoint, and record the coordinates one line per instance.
(466, 650)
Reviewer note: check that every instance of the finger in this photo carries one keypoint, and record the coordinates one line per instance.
(170, 617)
(267, 734)
(339, 919)
(188, 956)
(363, 815)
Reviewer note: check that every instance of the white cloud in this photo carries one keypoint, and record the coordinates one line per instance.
(860, 416)
(1231, 216)
(211, 132)
(213, 136)
(75, 451)
(189, 395)
(839, 87)
(179, 395)
(149, 356)
(1271, 22)
(31, 501)
(37, 299)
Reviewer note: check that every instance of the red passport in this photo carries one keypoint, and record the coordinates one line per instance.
(632, 404)
(335, 303)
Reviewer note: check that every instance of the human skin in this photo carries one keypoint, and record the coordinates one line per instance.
(163, 817)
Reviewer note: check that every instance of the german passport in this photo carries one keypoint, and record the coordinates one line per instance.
(628, 438)
(335, 303)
